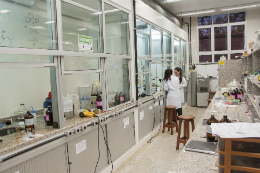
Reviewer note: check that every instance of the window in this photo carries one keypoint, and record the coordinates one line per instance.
(226, 36)
(207, 20)
(117, 31)
(157, 75)
(144, 84)
(167, 46)
(142, 26)
(143, 66)
(156, 43)
(35, 22)
(176, 48)
(183, 51)
(205, 39)
(220, 19)
(81, 63)
(143, 46)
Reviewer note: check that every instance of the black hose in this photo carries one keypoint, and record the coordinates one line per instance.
(135, 46)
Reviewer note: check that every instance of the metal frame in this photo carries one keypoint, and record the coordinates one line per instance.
(228, 51)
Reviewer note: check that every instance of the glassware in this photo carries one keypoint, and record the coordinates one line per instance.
(225, 120)
(18, 133)
(211, 138)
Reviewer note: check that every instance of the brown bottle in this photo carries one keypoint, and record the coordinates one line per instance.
(49, 117)
(225, 120)
(211, 138)
(99, 102)
(28, 122)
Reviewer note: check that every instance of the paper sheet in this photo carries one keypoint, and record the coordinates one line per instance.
(236, 130)
(81, 146)
(141, 115)
(126, 122)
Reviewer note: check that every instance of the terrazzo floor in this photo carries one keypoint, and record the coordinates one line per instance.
(159, 155)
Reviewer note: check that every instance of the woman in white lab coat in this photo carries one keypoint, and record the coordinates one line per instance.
(183, 84)
(172, 85)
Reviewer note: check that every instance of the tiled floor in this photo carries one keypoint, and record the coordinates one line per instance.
(159, 156)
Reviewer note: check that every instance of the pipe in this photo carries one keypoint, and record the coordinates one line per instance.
(135, 46)
(190, 55)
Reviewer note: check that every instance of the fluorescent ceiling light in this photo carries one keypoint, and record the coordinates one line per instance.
(108, 11)
(37, 27)
(70, 33)
(124, 22)
(195, 13)
(169, 1)
(4, 11)
(50, 22)
(82, 29)
(240, 7)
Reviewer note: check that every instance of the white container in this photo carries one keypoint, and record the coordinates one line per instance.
(68, 107)
(76, 104)
(233, 85)
(82, 103)
(84, 89)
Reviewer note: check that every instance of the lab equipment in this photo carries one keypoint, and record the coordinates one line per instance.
(86, 113)
(203, 92)
(49, 117)
(68, 107)
(21, 110)
(82, 103)
(76, 104)
(233, 85)
(84, 90)
(18, 134)
(28, 121)
(34, 116)
(47, 102)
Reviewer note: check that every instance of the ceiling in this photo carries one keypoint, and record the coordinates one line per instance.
(180, 6)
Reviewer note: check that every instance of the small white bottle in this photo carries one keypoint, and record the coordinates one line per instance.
(34, 116)
(82, 103)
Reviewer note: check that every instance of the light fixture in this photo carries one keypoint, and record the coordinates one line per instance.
(124, 22)
(70, 33)
(240, 7)
(169, 1)
(108, 11)
(37, 27)
(195, 13)
(50, 22)
(82, 29)
(4, 11)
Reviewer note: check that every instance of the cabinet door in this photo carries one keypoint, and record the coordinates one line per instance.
(157, 108)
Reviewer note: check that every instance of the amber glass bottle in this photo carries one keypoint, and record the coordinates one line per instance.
(28, 122)
(49, 117)
(225, 120)
(99, 102)
(211, 138)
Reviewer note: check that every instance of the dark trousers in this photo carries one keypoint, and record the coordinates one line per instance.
(179, 113)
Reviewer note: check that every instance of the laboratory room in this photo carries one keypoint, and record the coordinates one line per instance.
(130, 86)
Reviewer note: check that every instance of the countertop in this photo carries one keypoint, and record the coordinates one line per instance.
(199, 162)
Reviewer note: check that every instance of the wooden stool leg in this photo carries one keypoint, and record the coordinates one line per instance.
(176, 122)
(179, 135)
(188, 129)
(192, 124)
(164, 119)
(185, 130)
(169, 118)
(171, 122)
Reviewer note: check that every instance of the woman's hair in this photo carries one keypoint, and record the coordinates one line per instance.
(179, 70)
(167, 74)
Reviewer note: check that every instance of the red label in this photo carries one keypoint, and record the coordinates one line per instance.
(47, 117)
(233, 96)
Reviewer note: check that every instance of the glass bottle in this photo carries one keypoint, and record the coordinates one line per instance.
(117, 99)
(122, 97)
(233, 94)
(211, 138)
(49, 117)
(239, 95)
(225, 120)
(28, 122)
(99, 102)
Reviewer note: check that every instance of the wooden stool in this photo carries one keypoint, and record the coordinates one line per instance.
(170, 123)
(185, 138)
(211, 95)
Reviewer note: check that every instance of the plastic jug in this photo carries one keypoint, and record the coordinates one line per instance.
(76, 104)
(68, 107)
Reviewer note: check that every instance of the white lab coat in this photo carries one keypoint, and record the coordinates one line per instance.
(173, 88)
(183, 85)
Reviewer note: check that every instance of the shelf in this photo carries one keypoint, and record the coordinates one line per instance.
(255, 83)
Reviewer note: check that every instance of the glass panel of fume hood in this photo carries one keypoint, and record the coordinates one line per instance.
(183, 50)
(167, 47)
(117, 31)
(184, 64)
(144, 87)
(177, 64)
(143, 65)
(28, 24)
(79, 25)
(176, 48)
(118, 82)
(92, 4)
(84, 88)
(143, 45)
(156, 75)
(30, 87)
(81, 63)
(25, 58)
(156, 43)
(142, 26)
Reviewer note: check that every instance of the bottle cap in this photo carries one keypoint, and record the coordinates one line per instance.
(82, 98)
(49, 106)
(32, 111)
(49, 96)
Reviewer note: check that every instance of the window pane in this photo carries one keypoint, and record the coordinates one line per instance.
(167, 47)
(220, 34)
(237, 17)
(144, 84)
(235, 56)
(166, 33)
(117, 31)
(81, 63)
(184, 69)
(156, 43)
(205, 39)
(117, 80)
(142, 26)
(237, 37)
(143, 45)
(143, 65)
(205, 58)
(28, 24)
(183, 51)
(25, 59)
(220, 19)
(94, 4)
(217, 57)
(156, 76)
(167, 62)
(176, 48)
(78, 22)
(206, 20)
(177, 64)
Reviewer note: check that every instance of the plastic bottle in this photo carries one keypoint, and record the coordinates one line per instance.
(82, 103)
(34, 116)
(68, 107)
(87, 102)
(76, 104)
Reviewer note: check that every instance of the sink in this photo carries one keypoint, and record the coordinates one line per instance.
(8, 131)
